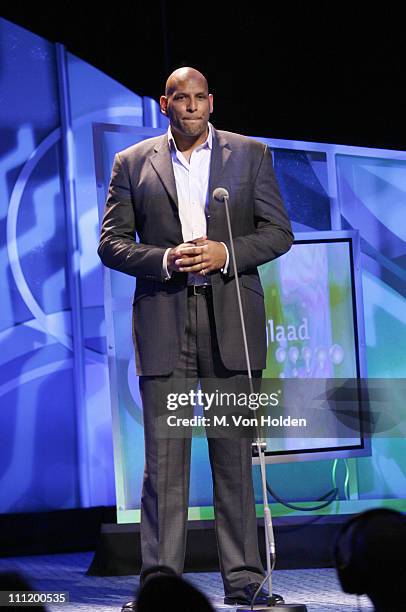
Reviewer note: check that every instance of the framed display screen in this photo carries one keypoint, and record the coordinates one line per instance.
(314, 332)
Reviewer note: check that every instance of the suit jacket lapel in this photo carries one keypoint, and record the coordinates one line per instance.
(219, 157)
(162, 162)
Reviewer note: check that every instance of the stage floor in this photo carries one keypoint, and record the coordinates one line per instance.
(317, 588)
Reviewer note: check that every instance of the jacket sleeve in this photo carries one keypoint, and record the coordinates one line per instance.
(118, 248)
(273, 233)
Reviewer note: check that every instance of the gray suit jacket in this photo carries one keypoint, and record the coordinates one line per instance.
(142, 199)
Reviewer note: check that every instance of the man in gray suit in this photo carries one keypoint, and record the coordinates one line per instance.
(185, 313)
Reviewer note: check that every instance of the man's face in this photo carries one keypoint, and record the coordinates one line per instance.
(188, 106)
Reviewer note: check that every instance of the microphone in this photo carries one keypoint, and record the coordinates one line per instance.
(220, 194)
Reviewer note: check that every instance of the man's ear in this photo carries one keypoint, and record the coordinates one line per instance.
(211, 103)
(163, 104)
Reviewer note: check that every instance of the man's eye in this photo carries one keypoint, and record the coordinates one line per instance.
(179, 97)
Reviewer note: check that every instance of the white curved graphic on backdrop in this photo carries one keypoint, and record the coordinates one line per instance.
(50, 326)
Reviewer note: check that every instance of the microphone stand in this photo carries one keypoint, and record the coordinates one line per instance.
(274, 604)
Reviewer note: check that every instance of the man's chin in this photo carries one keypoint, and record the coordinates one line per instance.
(193, 128)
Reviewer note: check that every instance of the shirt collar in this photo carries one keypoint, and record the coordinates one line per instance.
(207, 143)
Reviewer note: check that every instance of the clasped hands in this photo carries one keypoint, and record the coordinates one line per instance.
(200, 256)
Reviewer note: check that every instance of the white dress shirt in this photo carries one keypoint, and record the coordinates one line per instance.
(192, 185)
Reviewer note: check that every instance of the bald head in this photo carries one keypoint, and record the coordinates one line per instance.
(187, 104)
(182, 75)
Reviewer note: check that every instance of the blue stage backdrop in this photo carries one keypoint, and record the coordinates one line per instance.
(61, 122)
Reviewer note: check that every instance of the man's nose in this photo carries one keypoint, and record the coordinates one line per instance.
(192, 106)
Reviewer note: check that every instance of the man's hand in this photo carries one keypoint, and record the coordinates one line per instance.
(176, 254)
(201, 256)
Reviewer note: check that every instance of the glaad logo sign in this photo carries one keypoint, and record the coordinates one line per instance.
(290, 333)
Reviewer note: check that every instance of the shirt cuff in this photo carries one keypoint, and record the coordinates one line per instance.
(166, 275)
(224, 269)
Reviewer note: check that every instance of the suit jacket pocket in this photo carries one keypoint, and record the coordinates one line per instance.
(251, 281)
(143, 288)
(159, 290)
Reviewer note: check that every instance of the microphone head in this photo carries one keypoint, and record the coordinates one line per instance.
(220, 194)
